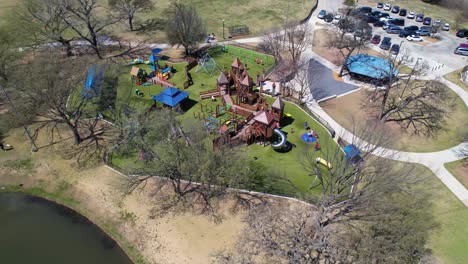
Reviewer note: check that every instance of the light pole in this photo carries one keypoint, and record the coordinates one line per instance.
(28, 135)
(223, 29)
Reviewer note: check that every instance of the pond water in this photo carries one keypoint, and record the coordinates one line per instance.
(33, 230)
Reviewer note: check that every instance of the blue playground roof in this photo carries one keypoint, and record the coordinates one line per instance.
(171, 96)
(370, 66)
(351, 151)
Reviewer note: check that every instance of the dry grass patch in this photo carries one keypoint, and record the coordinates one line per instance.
(456, 79)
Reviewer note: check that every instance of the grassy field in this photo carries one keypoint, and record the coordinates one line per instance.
(258, 15)
(286, 163)
(450, 241)
(455, 78)
(459, 169)
(345, 108)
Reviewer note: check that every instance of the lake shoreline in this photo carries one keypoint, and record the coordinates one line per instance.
(71, 205)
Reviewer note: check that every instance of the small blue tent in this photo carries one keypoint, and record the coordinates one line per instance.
(352, 154)
(171, 96)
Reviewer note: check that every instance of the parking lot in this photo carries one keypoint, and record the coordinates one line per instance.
(438, 52)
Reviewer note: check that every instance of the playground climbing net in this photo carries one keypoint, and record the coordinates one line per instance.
(207, 64)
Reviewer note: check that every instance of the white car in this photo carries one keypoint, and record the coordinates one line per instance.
(387, 7)
(336, 19)
(446, 27)
(386, 19)
(415, 38)
(410, 15)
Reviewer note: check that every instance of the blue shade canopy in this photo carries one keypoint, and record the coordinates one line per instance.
(370, 66)
(171, 96)
(93, 82)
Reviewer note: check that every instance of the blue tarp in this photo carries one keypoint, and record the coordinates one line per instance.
(171, 96)
(351, 151)
(370, 66)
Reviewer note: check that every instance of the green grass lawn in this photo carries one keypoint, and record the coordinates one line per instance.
(456, 79)
(287, 164)
(450, 242)
(459, 169)
(258, 15)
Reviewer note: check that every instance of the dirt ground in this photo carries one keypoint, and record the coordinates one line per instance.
(177, 238)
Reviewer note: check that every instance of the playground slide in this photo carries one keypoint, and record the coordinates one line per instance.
(324, 162)
(282, 142)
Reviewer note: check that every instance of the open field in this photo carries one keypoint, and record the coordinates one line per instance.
(348, 108)
(456, 79)
(258, 15)
(459, 169)
(450, 241)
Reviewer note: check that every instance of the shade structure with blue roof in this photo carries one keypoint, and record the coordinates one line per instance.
(352, 154)
(171, 96)
(370, 66)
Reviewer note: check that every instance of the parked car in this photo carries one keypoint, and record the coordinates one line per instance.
(436, 22)
(403, 12)
(446, 27)
(365, 31)
(396, 9)
(386, 18)
(407, 32)
(372, 19)
(410, 15)
(387, 7)
(383, 15)
(395, 49)
(328, 18)
(378, 24)
(427, 21)
(386, 43)
(393, 29)
(415, 38)
(364, 9)
(376, 39)
(419, 18)
(375, 13)
(462, 49)
(462, 33)
(322, 14)
(336, 19)
(379, 5)
(397, 21)
(414, 28)
(424, 32)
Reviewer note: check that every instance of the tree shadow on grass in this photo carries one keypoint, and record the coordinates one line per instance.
(150, 25)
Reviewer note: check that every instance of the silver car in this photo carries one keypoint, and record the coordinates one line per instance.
(446, 27)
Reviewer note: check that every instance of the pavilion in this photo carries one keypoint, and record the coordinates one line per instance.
(171, 96)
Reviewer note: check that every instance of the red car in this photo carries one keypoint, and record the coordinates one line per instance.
(376, 39)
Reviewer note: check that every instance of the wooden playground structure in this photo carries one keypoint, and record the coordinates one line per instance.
(244, 114)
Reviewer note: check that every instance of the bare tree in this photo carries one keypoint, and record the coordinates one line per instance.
(298, 37)
(301, 80)
(419, 105)
(51, 94)
(346, 43)
(185, 26)
(42, 21)
(353, 220)
(272, 42)
(127, 9)
(82, 17)
(181, 165)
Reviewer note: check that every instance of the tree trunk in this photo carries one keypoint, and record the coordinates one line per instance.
(76, 135)
(186, 50)
(130, 23)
